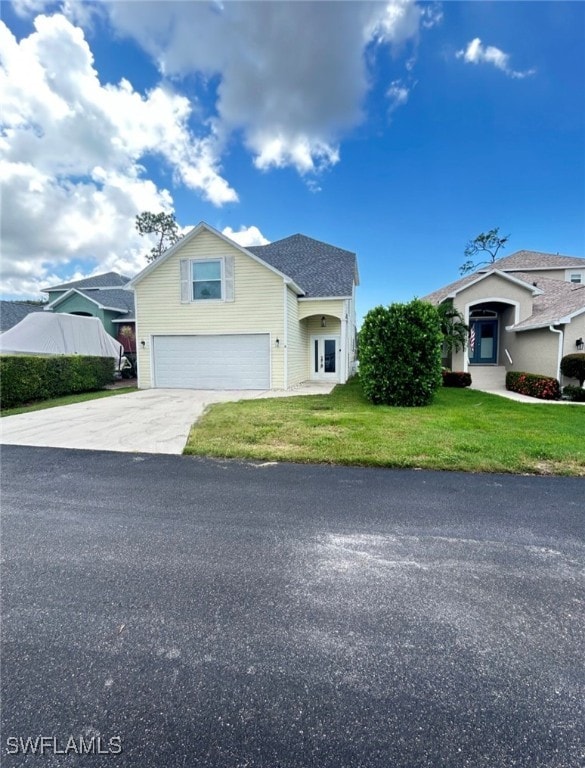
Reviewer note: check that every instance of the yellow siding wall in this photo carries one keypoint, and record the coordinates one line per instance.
(313, 326)
(333, 307)
(297, 343)
(258, 304)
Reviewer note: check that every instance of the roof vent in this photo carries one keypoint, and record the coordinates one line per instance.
(535, 284)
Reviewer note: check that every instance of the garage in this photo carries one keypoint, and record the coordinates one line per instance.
(231, 361)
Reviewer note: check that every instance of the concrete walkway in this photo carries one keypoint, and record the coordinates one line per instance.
(147, 421)
(503, 392)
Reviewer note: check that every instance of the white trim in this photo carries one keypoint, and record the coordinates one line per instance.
(560, 348)
(191, 236)
(487, 300)
(325, 376)
(71, 291)
(123, 320)
(343, 345)
(209, 260)
(535, 290)
(285, 339)
(323, 298)
(560, 321)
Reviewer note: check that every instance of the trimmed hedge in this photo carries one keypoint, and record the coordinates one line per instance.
(400, 354)
(456, 379)
(574, 393)
(32, 377)
(533, 385)
(573, 367)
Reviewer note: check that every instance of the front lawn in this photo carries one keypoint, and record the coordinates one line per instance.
(463, 430)
(40, 405)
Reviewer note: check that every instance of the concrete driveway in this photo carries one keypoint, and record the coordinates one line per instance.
(148, 421)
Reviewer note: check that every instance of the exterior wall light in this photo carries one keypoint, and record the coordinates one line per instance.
(277, 343)
(143, 344)
(579, 344)
(323, 322)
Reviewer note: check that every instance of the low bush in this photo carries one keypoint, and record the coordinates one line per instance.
(456, 379)
(574, 393)
(573, 367)
(25, 378)
(533, 385)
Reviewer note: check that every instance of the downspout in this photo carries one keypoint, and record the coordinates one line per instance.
(285, 339)
(560, 352)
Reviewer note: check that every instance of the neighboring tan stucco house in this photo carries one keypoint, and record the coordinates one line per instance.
(104, 296)
(212, 314)
(525, 312)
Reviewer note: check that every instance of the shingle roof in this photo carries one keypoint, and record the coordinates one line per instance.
(107, 280)
(558, 300)
(522, 260)
(318, 268)
(113, 298)
(12, 312)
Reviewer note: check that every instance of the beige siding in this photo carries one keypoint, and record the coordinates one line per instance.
(298, 370)
(535, 352)
(495, 288)
(258, 304)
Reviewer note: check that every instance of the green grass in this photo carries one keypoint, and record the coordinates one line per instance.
(40, 405)
(463, 430)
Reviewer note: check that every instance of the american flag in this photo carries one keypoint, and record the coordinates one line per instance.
(472, 338)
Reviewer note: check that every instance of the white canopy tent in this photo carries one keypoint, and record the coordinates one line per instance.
(52, 333)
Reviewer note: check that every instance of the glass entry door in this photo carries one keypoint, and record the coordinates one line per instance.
(325, 357)
(483, 342)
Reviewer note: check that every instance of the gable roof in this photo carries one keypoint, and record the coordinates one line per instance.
(451, 290)
(12, 312)
(321, 269)
(114, 299)
(106, 280)
(556, 305)
(528, 260)
(190, 236)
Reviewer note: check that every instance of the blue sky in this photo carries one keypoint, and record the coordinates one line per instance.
(397, 130)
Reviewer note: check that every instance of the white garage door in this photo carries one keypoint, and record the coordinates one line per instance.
(212, 362)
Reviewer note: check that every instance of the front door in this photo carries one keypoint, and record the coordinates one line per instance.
(483, 342)
(325, 357)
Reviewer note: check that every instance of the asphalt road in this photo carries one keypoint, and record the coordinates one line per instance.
(184, 612)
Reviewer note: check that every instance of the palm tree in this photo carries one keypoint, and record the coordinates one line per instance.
(455, 332)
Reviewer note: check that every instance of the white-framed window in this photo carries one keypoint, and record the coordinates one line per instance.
(206, 279)
(576, 277)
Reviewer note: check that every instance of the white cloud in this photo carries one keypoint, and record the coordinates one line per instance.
(477, 53)
(398, 94)
(246, 236)
(70, 152)
(292, 75)
(289, 79)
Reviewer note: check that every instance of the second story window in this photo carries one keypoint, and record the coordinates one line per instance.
(206, 279)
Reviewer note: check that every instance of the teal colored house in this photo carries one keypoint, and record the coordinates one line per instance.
(103, 296)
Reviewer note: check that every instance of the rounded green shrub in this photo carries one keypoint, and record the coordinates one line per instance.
(400, 354)
(573, 367)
